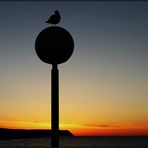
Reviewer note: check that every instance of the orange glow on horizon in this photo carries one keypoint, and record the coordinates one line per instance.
(82, 130)
(124, 130)
(111, 132)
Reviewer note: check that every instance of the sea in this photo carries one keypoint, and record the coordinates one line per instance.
(80, 142)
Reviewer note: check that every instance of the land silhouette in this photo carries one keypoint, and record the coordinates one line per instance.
(6, 134)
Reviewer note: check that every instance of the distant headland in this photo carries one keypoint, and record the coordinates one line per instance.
(34, 133)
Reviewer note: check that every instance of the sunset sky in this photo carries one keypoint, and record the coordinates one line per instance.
(103, 86)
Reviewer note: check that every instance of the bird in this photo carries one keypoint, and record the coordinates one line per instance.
(55, 18)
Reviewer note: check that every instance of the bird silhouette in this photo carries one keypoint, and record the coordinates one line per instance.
(55, 18)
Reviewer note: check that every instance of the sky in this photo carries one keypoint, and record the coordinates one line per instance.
(103, 86)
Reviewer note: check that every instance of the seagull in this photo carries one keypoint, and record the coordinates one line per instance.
(55, 18)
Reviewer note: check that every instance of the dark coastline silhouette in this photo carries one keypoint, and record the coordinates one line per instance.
(6, 134)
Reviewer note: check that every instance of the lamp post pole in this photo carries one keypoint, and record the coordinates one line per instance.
(55, 106)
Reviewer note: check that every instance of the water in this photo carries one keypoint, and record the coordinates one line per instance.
(79, 142)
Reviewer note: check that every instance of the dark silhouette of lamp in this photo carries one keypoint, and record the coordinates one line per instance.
(54, 45)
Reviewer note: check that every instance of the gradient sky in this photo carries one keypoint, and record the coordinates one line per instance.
(103, 86)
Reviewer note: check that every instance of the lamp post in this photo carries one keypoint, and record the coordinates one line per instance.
(54, 45)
